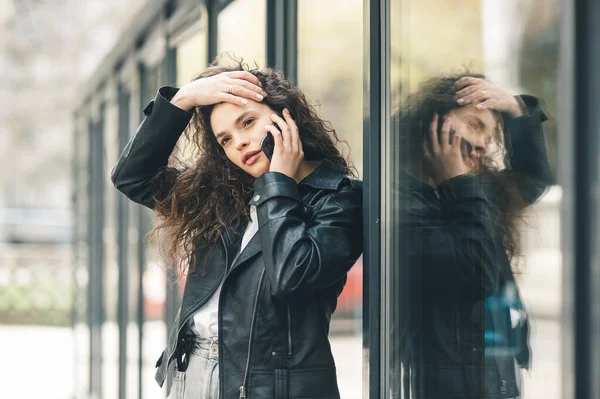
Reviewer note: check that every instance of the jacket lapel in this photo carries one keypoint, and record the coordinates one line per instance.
(252, 248)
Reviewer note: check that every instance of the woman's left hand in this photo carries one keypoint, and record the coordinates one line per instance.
(486, 95)
(288, 151)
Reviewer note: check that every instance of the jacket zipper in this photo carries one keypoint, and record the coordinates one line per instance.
(243, 387)
(289, 314)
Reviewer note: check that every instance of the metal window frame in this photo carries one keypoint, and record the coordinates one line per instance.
(578, 173)
(374, 108)
(123, 98)
(96, 313)
(282, 37)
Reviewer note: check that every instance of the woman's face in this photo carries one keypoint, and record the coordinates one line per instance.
(240, 130)
(477, 127)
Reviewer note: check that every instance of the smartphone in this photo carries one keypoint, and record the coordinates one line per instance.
(468, 145)
(267, 145)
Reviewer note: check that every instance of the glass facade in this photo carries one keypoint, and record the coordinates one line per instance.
(473, 267)
(330, 74)
(192, 53)
(467, 267)
(241, 31)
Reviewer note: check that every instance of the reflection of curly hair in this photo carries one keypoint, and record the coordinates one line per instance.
(195, 206)
(412, 121)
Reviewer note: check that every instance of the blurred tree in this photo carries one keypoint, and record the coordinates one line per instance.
(46, 50)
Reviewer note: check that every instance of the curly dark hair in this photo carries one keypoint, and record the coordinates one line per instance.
(198, 202)
(412, 121)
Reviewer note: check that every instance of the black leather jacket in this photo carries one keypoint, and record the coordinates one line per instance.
(278, 296)
(452, 327)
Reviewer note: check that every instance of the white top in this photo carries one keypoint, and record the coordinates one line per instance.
(205, 322)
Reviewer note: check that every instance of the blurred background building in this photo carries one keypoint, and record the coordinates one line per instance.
(84, 299)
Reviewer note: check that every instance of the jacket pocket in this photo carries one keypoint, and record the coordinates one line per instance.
(178, 387)
(280, 384)
(315, 383)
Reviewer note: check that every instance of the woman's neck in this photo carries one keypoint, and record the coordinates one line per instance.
(304, 169)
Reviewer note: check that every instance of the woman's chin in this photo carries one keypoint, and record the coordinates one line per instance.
(259, 168)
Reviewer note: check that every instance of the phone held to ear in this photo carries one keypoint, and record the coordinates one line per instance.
(468, 147)
(267, 145)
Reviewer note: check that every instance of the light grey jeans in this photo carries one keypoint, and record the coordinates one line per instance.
(201, 379)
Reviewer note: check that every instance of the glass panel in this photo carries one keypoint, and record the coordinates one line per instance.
(330, 74)
(474, 263)
(330, 66)
(192, 54)
(192, 58)
(242, 31)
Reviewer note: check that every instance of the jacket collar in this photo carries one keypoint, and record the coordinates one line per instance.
(325, 177)
(411, 183)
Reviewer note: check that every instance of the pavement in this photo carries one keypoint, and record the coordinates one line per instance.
(52, 362)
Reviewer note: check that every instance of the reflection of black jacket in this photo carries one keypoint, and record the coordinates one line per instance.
(280, 292)
(454, 283)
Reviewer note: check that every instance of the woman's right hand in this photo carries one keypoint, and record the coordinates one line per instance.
(232, 87)
(443, 152)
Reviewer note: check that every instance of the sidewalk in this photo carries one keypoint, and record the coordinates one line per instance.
(39, 363)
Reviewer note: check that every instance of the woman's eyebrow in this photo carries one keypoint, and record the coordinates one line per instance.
(237, 122)
(476, 122)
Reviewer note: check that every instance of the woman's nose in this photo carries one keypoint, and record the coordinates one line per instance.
(241, 143)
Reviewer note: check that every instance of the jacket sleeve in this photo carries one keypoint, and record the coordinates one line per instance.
(524, 140)
(147, 153)
(457, 249)
(301, 256)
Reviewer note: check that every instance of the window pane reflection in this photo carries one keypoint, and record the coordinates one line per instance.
(474, 282)
(192, 54)
(192, 58)
(242, 31)
(330, 74)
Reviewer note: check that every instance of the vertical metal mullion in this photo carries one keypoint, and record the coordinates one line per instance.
(291, 41)
(578, 174)
(372, 200)
(141, 256)
(282, 37)
(275, 34)
(386, 196)
(213, 8)
(100, 240)
(96, 260)
(90, 256)
(123, 250)
(586, 127)
(75, 248)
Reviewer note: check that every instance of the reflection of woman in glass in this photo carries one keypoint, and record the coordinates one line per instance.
(268, 242)
(473, 159)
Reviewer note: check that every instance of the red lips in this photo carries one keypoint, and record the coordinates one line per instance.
(248, 155)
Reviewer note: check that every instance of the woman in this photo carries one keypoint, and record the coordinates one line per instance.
(265, 244)
(473, 159)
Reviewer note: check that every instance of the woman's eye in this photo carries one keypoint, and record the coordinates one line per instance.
(247, 122)
(224, 141)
